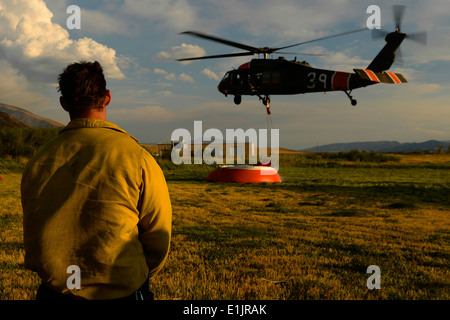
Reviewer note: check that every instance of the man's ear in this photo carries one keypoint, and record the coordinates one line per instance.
(107, 97)
(63, 103)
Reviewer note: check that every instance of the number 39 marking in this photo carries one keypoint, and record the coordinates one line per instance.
(312, 78)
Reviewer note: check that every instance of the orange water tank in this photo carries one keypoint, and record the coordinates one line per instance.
(244, 174)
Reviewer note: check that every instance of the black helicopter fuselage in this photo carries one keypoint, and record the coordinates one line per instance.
(283, 77)
(266, 77)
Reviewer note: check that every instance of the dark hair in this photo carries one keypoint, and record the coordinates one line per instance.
(83, 86)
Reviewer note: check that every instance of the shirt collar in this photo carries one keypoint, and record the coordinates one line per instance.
(93, 123)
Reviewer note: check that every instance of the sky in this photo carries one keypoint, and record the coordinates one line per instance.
(138, 41)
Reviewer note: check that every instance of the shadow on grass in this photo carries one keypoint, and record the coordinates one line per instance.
(395, 196)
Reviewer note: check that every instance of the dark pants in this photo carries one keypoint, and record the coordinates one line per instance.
(46, 293)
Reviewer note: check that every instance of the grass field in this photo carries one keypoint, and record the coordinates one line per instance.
(310, 237)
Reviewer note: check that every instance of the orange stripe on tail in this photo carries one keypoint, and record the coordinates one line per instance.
(394, 77)
(372, 75)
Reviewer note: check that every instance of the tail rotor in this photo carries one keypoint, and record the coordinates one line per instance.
(398, 12)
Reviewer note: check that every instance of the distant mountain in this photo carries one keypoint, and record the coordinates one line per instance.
(8, 121)
(29, 118)
(381, 146)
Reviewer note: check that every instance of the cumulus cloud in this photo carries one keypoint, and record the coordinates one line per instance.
(168, 76)
(165, 93)
(173, 77)
(179, 52)
(210, 74)
(342, 61)
(39, 48)
(160, 71)
(185, 78)
(15, 87)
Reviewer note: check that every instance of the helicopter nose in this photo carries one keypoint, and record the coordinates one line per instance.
(221, 88)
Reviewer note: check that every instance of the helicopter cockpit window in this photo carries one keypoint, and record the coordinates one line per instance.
(226, 76)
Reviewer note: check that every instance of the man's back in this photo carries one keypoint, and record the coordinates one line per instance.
(94, 198)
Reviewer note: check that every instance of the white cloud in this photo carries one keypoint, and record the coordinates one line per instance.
(185, 78)
(173, 77)
(159, 71)
(165, 93)
(14, 87)
(344, 60)
(168, 76)
(210, 74)
(178, 52)
(39, 48)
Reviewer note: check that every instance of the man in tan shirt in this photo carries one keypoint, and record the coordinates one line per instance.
(93, 198)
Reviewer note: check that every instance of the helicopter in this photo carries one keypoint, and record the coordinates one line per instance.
(266, 77)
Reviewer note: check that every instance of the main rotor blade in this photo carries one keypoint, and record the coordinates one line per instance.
(223, 41)
(240, 54)
(323, 38)
(379, 33)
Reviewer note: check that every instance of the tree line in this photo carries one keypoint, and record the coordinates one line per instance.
(24, 142)
(358, 156)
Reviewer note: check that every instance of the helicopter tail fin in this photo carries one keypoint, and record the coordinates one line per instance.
(383, 76)
(385, 58)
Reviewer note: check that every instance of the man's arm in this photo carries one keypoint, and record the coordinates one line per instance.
(155, 219)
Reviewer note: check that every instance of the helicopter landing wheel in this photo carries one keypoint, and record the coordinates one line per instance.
(353, 101)
(237, 99)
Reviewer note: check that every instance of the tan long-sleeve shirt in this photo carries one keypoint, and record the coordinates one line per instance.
(92, 197)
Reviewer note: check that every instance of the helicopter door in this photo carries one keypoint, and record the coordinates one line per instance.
(271, 77)
(271, 81)
(275, 77)
(266, 77)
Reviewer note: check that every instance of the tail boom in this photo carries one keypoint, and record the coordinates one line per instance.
(383, 76)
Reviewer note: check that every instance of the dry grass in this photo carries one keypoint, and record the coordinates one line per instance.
(432, 158)
(310, 237)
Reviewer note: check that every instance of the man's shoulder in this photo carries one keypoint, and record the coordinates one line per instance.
(98, 132)
(90, 123)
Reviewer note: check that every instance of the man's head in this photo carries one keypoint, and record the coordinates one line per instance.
(83, 89)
